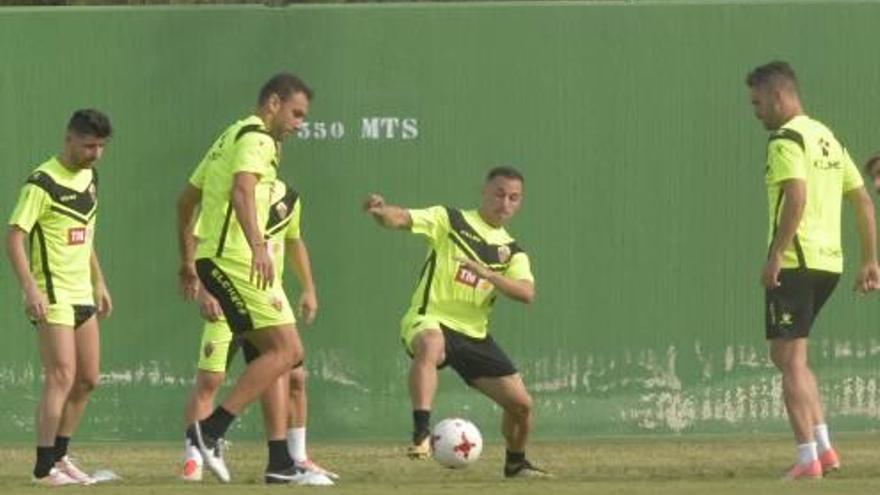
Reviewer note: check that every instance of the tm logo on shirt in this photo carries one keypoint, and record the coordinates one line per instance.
(76, 235)
(467, 277)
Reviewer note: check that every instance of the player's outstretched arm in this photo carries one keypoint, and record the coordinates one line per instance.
(518, 290)
(868, 278)
(187, 204)
(244, 204)
(302, 266)
(390, 216)
(36, 303)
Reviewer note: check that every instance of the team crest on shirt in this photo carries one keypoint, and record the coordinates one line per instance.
(93, 192)
(503, 253)
(209, 349)
(281, 209)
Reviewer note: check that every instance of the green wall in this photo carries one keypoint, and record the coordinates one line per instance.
(645, 210)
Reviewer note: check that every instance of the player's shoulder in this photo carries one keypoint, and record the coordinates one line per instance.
(251, 133)
(785, 136)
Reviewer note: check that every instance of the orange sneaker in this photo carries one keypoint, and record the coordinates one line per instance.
(829, 460)
(806, 471)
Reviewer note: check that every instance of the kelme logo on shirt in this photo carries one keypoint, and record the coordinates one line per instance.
(76, 235)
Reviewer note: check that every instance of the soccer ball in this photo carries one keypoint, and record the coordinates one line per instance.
(456, 443)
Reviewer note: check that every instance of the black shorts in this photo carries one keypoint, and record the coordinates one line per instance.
(791, 308)
(475, 358)
(248, 350)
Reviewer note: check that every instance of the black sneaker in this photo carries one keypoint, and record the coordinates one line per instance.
(295, 475)
(211, 450)
(524, 469)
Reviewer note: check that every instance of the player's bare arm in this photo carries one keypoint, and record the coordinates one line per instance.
(243, 202)
(36, 303)
(518, 290)
(795, 191)
(187, 205)
(302, 266)
(99, 286)
(868, 277)
(390, 216)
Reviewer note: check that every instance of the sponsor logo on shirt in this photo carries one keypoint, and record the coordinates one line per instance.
(467, 277)
(76, 235)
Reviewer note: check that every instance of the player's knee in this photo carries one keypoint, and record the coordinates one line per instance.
(87, 383)
(207, 384)
(521, 407)
(60, 377)
(429, 346)
(297, 381)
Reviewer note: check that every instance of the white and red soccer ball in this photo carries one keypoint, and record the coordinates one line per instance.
(456, 442)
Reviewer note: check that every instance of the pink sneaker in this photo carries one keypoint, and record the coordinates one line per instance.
(56, 477)
(805, 471)
(66, 466)
(829, 460)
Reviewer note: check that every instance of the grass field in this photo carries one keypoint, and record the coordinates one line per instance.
(717, 465)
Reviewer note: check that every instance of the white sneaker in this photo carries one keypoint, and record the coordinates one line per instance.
(192, 470)
(296, 475)
(212, 453)
(56, 477)
(66, 466)
(313, 467)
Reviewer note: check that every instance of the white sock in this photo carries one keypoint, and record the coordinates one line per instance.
(296, 444)
(190, 451)
(807, 452)
(823, 441)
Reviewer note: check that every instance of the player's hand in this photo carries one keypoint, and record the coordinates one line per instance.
(103, 300)
(188, 280)
(373, 204)
(770, 274)
(308, 306)
(868, 278)
(209, 306)
(36, 304)
(480, 269)
(262, 269)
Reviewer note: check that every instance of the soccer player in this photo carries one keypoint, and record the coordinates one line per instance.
(64, 287)
(872, 167)
(808, 171)
(471, 259)
(218, 347)
(235, 267)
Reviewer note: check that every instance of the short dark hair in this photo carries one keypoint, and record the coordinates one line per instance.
(875, 158)
(506, 172)
(773, 75)
(90, 122)
(284, 85)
